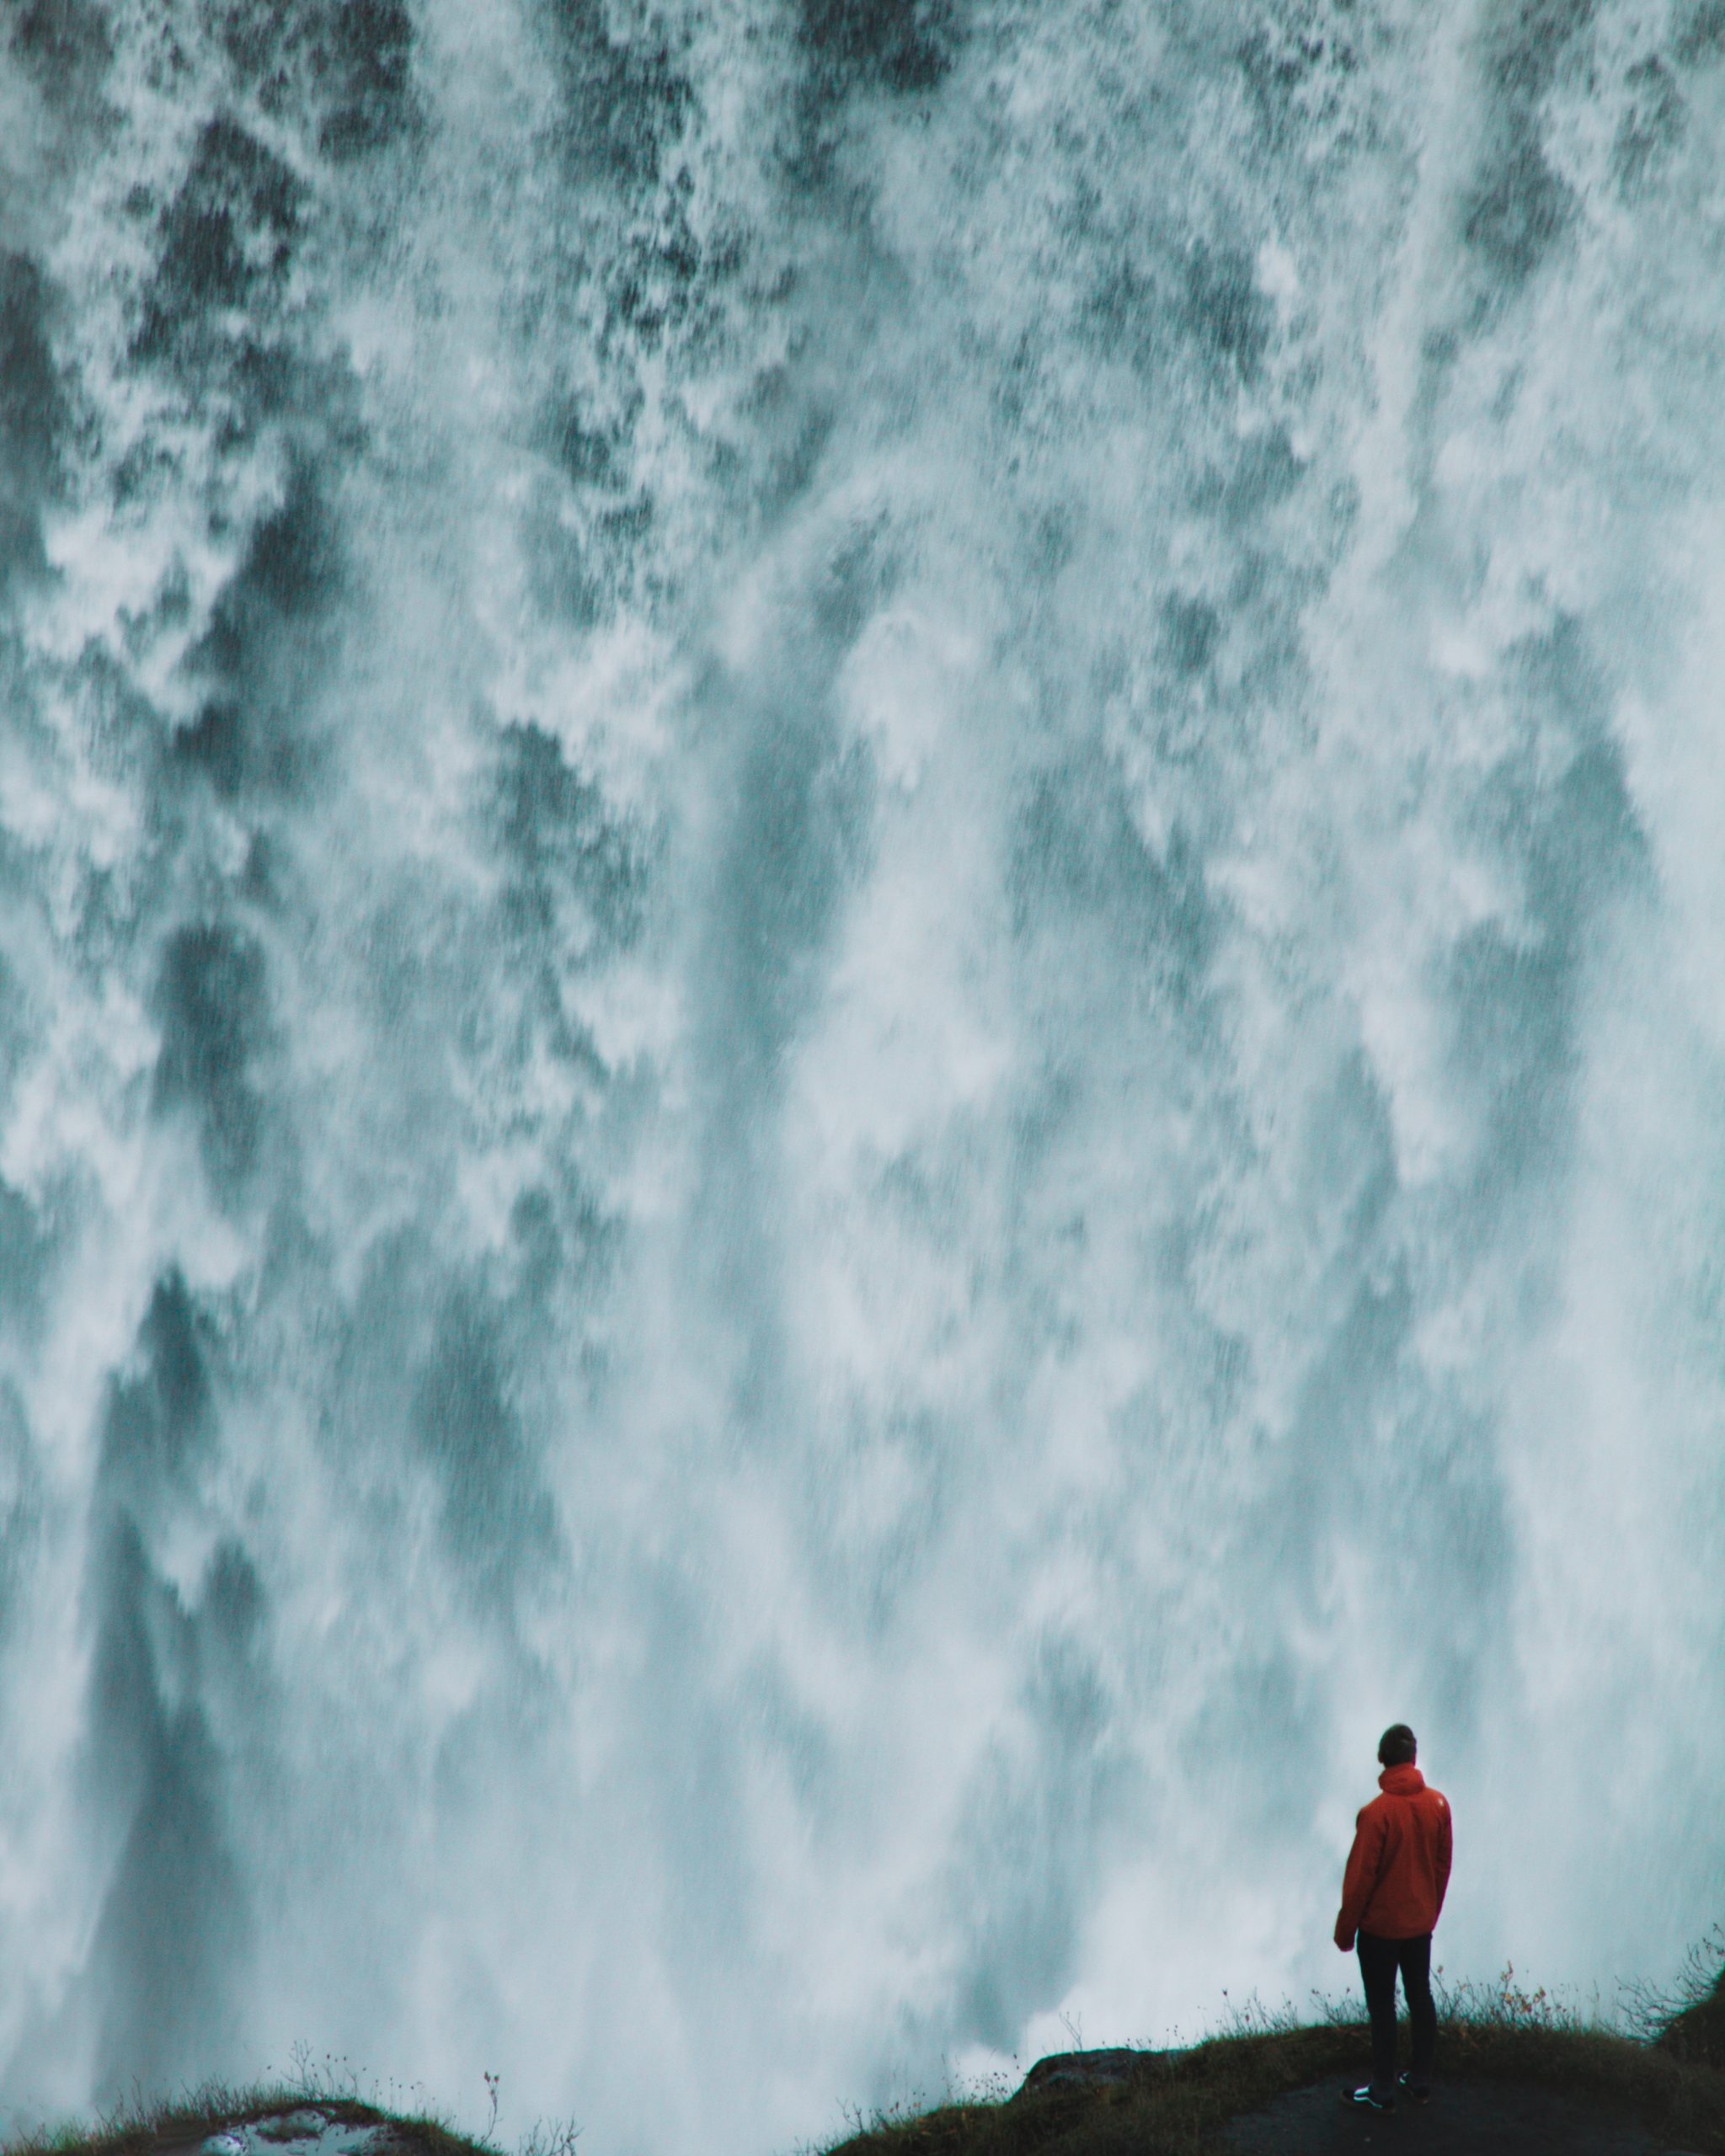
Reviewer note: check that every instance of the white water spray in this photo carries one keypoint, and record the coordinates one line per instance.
(860, 1024)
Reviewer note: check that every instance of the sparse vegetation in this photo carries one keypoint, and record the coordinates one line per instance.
(138, 2127)
(1668, 2071)
(1176, 2104)
(1689, 2021)
(550, 2137)
(331, 2086)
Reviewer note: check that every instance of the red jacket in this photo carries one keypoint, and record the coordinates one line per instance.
(1399, 1866)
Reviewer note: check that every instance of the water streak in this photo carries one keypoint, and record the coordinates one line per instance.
(861, 1023)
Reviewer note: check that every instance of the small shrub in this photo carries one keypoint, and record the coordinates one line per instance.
(1689, 2021)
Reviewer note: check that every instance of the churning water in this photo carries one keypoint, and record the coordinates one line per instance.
(862, 1025)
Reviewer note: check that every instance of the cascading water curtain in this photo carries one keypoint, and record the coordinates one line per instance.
(862, 1025)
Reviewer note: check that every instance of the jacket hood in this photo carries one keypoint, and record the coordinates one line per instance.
(1401, 1781)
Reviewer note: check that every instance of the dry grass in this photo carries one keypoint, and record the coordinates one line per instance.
(1180, 2101)
(1670, 2076)
(1689, 2024)
(333, 2086)
(141, 2128)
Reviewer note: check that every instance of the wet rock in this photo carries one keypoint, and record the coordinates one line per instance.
(1093, 2069)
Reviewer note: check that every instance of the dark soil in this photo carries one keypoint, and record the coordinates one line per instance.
(1511, 2084)
(1462, 2119)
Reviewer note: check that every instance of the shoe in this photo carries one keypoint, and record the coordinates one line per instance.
(1368, 2099)
(1420, 2094)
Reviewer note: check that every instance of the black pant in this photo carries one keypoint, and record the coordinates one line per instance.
(1379, 1960)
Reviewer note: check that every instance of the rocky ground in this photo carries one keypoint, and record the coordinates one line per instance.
(1516, 2079)
(1521, 2081)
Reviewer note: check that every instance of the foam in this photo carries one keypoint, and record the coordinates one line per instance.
(307, 2132)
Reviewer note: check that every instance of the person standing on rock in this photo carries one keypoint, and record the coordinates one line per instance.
(1391, 1892)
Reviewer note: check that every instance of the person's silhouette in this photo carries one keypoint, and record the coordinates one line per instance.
(1391, 1892)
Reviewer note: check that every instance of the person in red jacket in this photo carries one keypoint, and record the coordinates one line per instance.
(1391, 1892)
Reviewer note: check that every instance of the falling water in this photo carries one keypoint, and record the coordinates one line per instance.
(861, 1024)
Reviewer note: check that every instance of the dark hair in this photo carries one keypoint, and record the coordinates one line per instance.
(1397, 1747)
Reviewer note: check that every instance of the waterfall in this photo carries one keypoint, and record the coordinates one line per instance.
(862, 1025)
